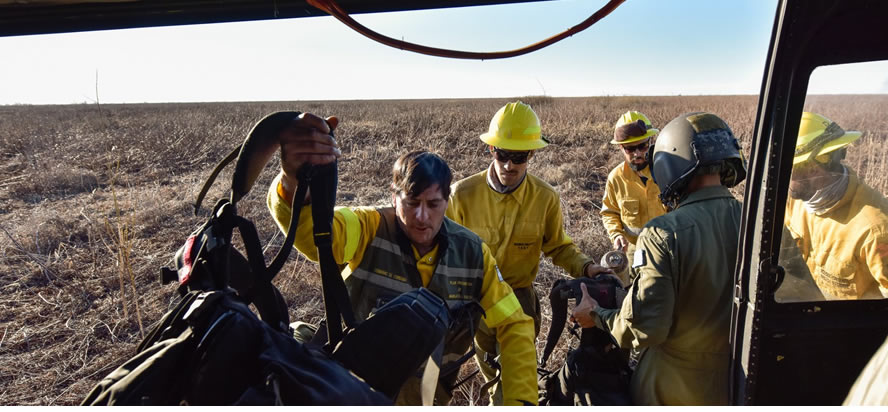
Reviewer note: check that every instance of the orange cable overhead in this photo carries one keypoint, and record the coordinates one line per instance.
(332, 8)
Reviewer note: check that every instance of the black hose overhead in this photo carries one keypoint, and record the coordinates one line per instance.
(332, 8)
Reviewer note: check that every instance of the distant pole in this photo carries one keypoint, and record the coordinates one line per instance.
(97, 88)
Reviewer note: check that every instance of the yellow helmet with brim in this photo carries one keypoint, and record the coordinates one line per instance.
(633, 127)
(515, 127)
(819, 136)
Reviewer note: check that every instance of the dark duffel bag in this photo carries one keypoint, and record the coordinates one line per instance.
(212, 350)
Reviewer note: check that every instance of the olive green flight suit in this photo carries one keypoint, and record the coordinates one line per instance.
(871, 387)
(678, 310)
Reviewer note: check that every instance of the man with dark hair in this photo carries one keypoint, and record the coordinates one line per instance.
(678, 309)
(387, 251)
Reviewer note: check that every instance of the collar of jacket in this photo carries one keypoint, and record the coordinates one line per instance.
(706, 193)
(519, 193)
(627, 171)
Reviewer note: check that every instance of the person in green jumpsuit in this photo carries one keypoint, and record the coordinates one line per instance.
(678, 310)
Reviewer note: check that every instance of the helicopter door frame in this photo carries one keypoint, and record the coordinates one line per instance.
(797, 353)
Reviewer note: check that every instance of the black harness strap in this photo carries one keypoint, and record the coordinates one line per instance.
(322, 181)
(558, 303)
(206, 187)
(284, 252)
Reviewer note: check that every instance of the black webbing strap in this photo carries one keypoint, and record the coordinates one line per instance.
(322, 181)
(209, 182)
(465, 312)
(558, 303)
(490, 360)
(284, 253)
(262, 293)
(254, 249)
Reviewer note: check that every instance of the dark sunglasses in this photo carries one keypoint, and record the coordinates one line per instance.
(814, 161)
(516, 157)
(637, 148)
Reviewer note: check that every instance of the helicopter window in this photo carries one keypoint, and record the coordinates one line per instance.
(835, 236)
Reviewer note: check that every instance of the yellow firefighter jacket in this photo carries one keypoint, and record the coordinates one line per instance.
(846, 248)
(628, 203)
(355, 232)
(678, 310)
(517, 226)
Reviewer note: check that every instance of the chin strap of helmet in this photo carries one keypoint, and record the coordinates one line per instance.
(672, 194)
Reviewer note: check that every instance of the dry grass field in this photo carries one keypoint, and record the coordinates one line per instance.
(95, 200)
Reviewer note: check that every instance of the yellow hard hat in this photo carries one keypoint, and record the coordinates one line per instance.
(515, 127)
(819, 135)
(633, 127)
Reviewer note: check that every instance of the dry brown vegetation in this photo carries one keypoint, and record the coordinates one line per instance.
(94, 200)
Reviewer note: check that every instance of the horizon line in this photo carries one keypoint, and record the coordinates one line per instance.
(542, 96)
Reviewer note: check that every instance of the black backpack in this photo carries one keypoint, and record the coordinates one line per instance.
(211, 349)
(596, 372)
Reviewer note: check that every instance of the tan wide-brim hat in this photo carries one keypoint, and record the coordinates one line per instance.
(633, 127)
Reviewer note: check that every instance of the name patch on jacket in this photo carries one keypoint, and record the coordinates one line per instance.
(523, 245)
(835, 285)
(389, 275)
(461, 288)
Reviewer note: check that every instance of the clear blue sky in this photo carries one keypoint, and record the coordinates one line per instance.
(645, 47)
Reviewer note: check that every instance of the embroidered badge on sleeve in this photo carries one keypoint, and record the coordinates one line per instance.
(638, 259)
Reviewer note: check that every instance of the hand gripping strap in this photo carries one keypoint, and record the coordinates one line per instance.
(252, 156)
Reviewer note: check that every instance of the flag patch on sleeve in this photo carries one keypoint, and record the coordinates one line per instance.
(638, 259)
